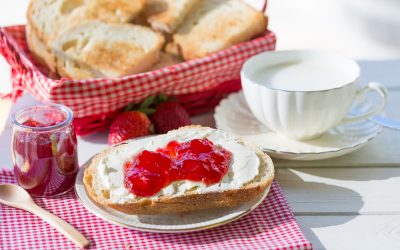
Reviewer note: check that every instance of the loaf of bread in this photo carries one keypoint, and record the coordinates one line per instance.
(215, 25)
(250, 173)
(96, 49)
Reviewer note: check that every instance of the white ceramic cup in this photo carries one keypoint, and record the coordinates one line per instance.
(299, 110)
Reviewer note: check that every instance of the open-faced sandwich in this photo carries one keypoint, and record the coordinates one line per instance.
(188, 169)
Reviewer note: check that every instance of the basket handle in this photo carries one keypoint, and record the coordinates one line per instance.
(18, 69)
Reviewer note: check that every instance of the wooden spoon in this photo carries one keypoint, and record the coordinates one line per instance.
(16, 196)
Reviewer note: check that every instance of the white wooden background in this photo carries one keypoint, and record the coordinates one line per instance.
(351, 202)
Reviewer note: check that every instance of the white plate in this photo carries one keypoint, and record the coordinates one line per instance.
(233, 115)
(171, 223)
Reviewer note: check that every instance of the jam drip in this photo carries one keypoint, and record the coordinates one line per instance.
(194, 160)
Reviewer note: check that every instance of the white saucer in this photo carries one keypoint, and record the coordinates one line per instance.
(171, 223)
(233, 115)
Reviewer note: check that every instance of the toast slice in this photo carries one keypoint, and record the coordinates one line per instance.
(116, 11)
(250, 173)
(167, 15)
(166, 60)
(39, 50)
(76, 70)
(215, 25)
(48, 18)
(95, 49)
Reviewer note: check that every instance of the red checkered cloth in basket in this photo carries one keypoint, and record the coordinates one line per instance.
(101, 96)
(271, 226)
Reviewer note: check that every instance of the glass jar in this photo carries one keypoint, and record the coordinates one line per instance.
(44, 149)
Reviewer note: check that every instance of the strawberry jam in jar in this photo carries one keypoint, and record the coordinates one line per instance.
(44, 149)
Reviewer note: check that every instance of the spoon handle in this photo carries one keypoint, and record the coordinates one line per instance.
(63, 227)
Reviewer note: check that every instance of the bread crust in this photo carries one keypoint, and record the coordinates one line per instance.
(31, 23)
(39, 50)
(166, 60)
(73, 72)
(187, 202)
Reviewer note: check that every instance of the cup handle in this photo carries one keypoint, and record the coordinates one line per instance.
(373, 86)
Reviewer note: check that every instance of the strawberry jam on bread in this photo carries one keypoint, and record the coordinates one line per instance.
(194, 160)
(188, 169)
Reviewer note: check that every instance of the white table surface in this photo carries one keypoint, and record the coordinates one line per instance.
(352, 202)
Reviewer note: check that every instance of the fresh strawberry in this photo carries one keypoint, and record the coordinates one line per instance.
(169, 116)
(129, 125)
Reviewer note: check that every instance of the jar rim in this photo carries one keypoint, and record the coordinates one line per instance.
(64, 109)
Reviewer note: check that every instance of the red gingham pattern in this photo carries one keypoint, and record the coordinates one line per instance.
(101, 96)
(271, 226)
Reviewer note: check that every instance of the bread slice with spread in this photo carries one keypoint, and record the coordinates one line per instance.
(250, 172)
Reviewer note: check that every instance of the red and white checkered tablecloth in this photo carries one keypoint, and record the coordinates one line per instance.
(271, 226)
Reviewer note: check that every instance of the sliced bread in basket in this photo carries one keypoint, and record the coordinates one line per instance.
(95, 49)
(214, 25)
(249, 174)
